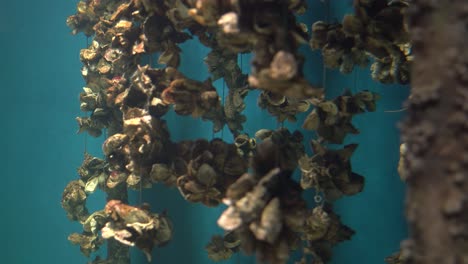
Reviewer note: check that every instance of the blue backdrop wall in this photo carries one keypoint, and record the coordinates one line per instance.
(40, 82)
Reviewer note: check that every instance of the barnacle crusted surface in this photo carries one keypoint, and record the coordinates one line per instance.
(436, 134)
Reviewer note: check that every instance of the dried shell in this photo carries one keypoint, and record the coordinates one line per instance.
(263, 134)
(160, 172)
(114, 143)
(329, 107)
(124, 24)
(104, 67)
(88, 54)
(240, 187)
(284, 66)
(312, 121)
(229, 23)
(206, 175)
(231, 240)
(317, 224)
(115, 178)
(112, 55)
(133, 180)
(271, 222)
(302, 106)
(92, 184)
(241, 140)
(230, 219)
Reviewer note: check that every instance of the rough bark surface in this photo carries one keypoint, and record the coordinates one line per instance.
(436, 133)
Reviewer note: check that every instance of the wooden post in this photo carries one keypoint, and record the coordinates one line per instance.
(436, 133)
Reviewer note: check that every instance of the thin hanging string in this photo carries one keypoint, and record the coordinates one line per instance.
(324, 69)
(355, 90)
(324, 77)
(241, 63)
(140, 197)
(85, 144)
(85, 151)
(224, 88)
(318, 198)
(324, 72)
(105, 137)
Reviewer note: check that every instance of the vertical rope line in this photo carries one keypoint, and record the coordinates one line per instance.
(324, 72)
(355, 81)
(85, 143)
(224, 88)
(241, 62)
(327, 18)
(140, 198)
(86, 133)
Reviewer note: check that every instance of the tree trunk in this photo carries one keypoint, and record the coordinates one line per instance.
(436, 133)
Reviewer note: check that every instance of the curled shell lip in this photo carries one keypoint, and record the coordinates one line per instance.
(167, 97)
(231, 240)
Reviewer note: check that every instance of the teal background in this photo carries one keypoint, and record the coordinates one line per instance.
(40, 82)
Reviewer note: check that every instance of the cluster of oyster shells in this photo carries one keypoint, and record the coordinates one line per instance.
(223, 247)
(266, 209)
(378, 30)
(282, 107)
(266, 212)
(332, 119)
(322, 230)
(245, 145)
(329, 171)
(198, 99)
(222, 63)
(74, 200)
(92, 175)
(132, 153)
(90, 240)
(290, 148)
(270, 30)
(135, 226)
(211, 166)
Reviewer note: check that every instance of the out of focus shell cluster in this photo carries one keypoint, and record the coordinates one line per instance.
(126, 98)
